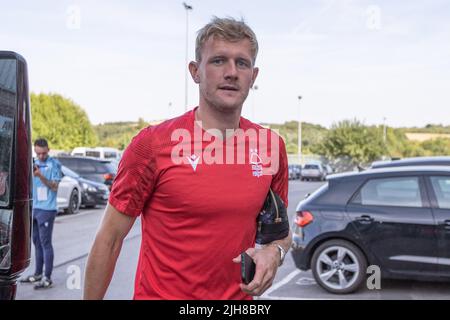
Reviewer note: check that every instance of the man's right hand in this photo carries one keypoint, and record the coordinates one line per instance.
(36, 171)
(105, 251)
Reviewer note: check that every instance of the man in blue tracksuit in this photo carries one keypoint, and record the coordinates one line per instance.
(46, 177)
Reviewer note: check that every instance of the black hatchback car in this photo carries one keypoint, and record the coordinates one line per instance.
(414, 161)
(395, 218)
(97, 170)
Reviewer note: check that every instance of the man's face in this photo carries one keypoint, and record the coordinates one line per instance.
(41, 153)
(225, 73)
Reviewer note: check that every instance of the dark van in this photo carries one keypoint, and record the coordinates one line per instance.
(15, 172)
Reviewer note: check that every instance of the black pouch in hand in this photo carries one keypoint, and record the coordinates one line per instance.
(272, 222)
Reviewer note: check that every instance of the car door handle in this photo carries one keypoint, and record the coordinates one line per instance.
(364, 219)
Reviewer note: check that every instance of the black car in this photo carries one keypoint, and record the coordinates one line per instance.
(415, 161)
(395, 218)
(93, 169)
(92, 193)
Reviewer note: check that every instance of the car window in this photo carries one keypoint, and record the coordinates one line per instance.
(399, 192)
(441, 187)
(105, 167)
(86, 166)
(7, 111)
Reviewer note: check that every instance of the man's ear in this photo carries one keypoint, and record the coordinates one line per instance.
(193, 69)
(255, 74)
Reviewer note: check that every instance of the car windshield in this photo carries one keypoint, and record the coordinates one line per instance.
(311, 166)
(106, 167)
(67, 172)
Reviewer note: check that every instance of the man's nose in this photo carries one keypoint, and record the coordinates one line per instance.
(231, 71)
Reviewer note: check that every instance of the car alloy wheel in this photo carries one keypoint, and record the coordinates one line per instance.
(73, 202)
(339, 266)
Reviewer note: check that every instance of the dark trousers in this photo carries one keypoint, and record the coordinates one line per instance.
(42, 239)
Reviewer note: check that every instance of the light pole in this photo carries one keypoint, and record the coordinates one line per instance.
(299, 131)
(187, 7)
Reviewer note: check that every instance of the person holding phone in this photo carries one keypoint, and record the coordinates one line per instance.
(198, 212)
(46, 177)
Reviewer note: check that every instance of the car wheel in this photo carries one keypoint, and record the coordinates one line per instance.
(339, 266)
(74, 205)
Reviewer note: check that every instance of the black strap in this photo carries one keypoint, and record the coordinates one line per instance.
(267, 228)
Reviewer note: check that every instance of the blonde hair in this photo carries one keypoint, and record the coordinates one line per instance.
(228, 29)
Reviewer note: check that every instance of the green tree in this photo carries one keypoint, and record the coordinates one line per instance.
(61, 121)
(437, 147)
(352, 140)
(311, 134)
(119, 134)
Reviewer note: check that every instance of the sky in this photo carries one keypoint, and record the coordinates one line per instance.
(375, 61)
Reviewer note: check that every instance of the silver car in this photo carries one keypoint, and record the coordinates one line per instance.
(68, 196)
(313, 171)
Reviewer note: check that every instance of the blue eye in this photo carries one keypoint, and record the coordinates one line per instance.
(243, 64)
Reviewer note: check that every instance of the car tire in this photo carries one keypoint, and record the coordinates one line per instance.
(74, 204)
(339, 266)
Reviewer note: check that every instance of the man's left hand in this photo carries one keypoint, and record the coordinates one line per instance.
(267, 260)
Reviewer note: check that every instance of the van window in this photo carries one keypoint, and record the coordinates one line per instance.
(7, 113)
(95, 154)
(110, 155)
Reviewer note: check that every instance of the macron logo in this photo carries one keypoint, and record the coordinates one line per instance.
(193, 160)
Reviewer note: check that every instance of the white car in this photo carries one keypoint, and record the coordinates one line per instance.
(313, 171)
(69, 195)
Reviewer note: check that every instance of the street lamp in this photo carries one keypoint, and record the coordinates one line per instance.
(299, 131)
(187, 7)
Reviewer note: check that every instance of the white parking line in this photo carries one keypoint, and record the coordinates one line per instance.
(281, 283)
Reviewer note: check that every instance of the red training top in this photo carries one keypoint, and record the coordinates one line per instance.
(197, 213)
